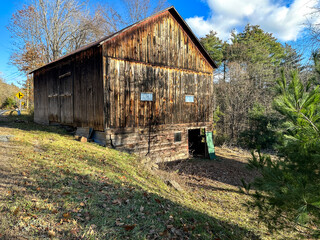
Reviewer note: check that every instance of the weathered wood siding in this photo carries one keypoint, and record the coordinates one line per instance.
(126, 80)
(40, 98)
(70, 92)
(160, 40)
(88, 89)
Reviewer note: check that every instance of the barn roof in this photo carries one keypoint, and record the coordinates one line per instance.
(173, 12)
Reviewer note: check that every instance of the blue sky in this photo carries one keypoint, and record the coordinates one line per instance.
(283, 18)
(8, 72)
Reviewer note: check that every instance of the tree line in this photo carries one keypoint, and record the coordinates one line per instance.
(244, 82)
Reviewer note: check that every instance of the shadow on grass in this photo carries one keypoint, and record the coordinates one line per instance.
(26, 123)
(61, 202)
(77, 206)
(226, 170)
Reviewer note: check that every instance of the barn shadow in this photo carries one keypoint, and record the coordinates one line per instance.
(226, 170)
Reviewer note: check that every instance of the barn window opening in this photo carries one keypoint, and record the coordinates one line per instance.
(177, 137)
(146, 97)
(197, 142)
(189, 98)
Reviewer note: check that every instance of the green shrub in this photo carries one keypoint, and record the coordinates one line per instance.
(9, 103)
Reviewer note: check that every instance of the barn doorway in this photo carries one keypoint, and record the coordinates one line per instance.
(197, 142)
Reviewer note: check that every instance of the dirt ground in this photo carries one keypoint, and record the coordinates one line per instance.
(229, 168)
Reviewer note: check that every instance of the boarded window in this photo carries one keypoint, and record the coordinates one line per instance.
(177, 137)
(189, 98)
(146, 96)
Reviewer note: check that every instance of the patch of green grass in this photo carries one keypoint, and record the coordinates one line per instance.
(73, 190)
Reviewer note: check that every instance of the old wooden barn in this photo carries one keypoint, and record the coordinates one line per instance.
(146, 89)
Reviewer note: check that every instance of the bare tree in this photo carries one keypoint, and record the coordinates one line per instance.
(129, 12)
(44, 30)
(47, 29)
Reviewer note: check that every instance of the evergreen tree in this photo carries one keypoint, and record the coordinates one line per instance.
(292, 59)
(214, 47)
(288, 189)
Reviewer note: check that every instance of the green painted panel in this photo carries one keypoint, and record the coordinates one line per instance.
(210, 145)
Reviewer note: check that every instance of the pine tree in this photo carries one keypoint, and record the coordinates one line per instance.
(214, 46)
(287, 192)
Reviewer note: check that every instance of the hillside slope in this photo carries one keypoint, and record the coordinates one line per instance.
(52, 186)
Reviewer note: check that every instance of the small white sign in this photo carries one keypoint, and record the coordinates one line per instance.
(146, 97)
(189, 98)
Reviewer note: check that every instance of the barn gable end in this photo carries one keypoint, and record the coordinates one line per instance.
(160, 40)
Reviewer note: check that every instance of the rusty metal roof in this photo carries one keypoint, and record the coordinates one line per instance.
(174, 13)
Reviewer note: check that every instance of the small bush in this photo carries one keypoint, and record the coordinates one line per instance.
(9, 103)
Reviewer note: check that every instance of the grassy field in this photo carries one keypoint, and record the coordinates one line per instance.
(54, 187)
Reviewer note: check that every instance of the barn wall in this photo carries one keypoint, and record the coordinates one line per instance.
(126, 80)
(40, 98)
(155, 141)
(70, 92)
(88, 89)
(159, 57)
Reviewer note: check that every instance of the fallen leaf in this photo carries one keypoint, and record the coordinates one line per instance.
(66, 215)
(74, 231)
(157, 200)
(82, 204)
(116, 202)
(129, 227)
(54, 211)
(164, 233)
(51, 233)
(16, 211)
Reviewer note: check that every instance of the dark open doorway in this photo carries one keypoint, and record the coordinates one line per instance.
(197, 142)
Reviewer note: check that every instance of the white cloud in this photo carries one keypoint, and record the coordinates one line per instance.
(284, 21)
